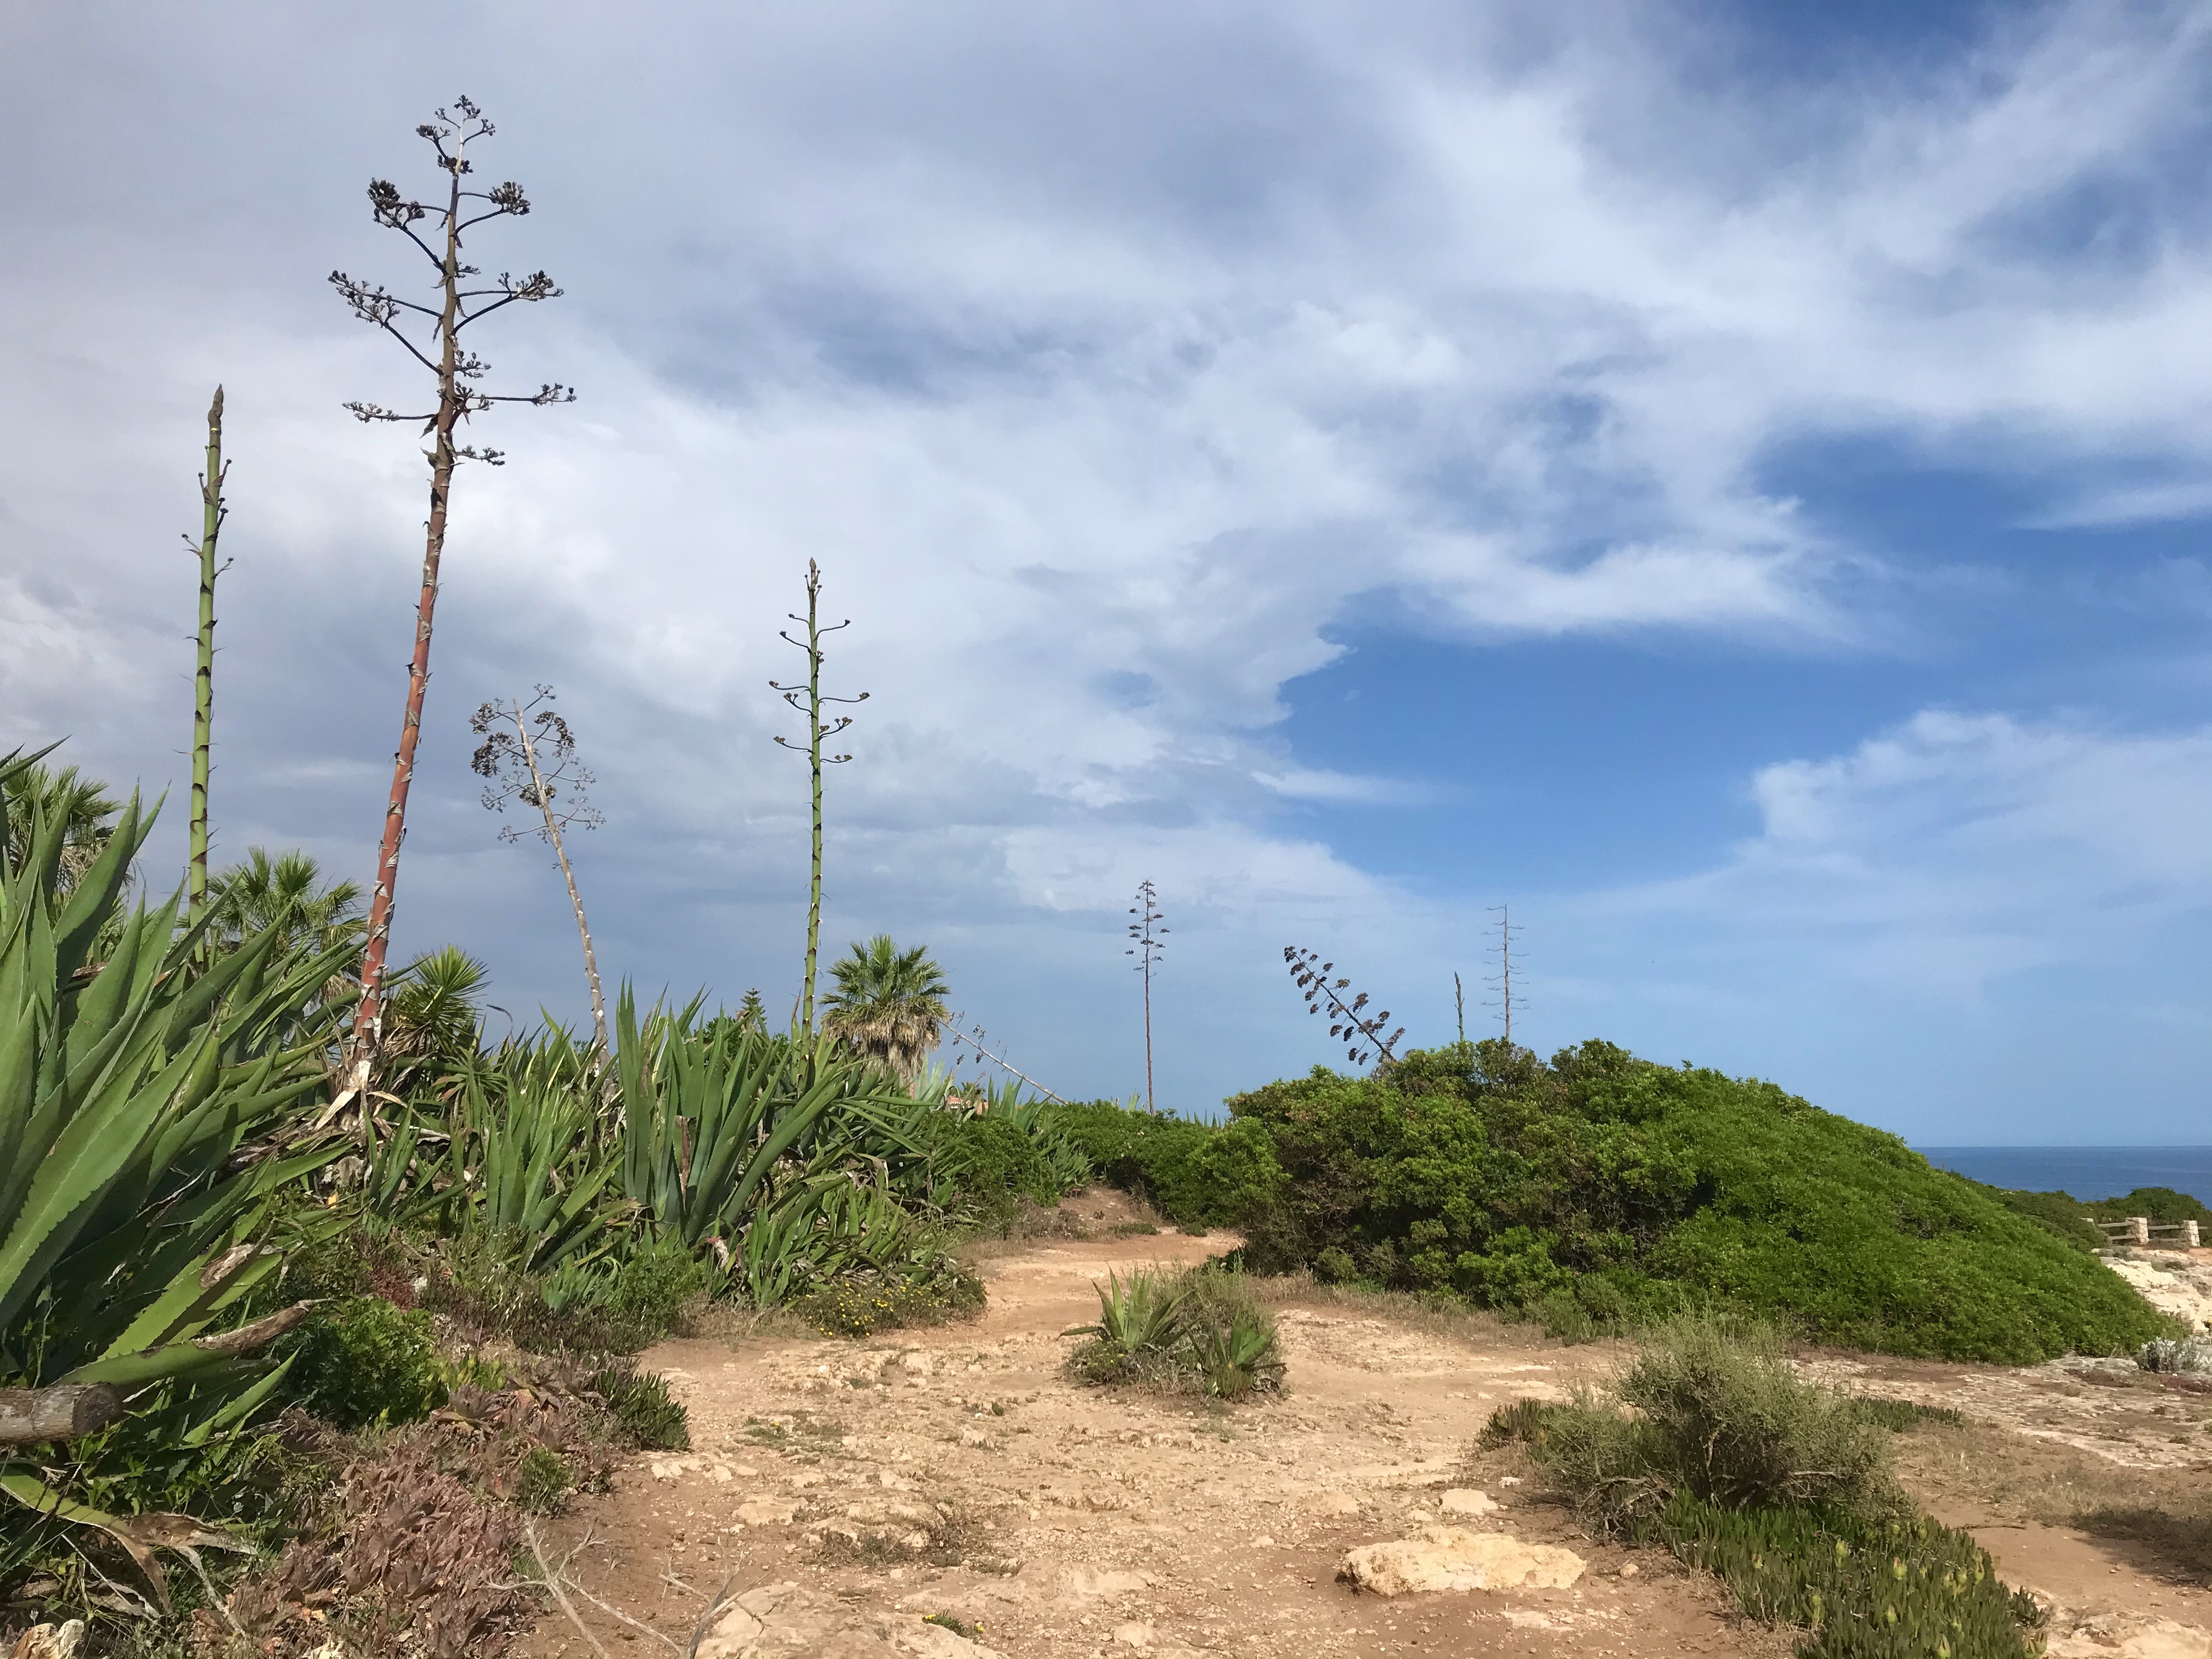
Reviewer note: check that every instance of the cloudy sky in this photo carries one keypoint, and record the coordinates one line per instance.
(1729, 481)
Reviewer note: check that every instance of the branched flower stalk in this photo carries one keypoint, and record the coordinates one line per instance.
(816, 731)
(1149, 941)
(529, 755)
(212, 513)
(431, 335)
(1361, 1033)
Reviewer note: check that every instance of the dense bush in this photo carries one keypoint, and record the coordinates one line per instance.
(2160, 1204)
(991, 1166)
(1197, 1174)
(2064, 1218)
(1604, 1189)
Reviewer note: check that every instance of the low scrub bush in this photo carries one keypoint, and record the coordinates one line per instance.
(861, 1305)
(600, 1310)
(1707, 1444)
(994, 1165)
(1715, 1411)
(1199, 1330)
(360, 1362)
(407, 1550)
(1602, 1192)
(1903, 1589)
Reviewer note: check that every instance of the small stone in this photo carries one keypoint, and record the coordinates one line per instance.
(1136, 1636)
(1263, 1542)
(767, 1512)
(1336, 1502)
(1465, 1501)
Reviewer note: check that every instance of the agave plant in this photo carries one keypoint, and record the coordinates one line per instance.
(149, 1106)
(528, 1168)
(1137, 1316)
(1236, 1356)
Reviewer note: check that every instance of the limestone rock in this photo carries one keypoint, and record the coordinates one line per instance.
(1090, 1584)
(59, 1641)
(928, 1641)
(2121, 1636)
(1464, 1501)
(1454, 1559)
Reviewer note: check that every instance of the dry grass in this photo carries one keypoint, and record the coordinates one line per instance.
(1084, 1215)
(2159, 1520)
(1432, 1316)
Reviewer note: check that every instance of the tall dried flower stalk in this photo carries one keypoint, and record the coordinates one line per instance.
(431, 335)
(529, 755)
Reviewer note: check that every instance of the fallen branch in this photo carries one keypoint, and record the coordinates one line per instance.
(29, 1416)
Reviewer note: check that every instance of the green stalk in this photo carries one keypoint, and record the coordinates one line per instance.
(816, 729)
(195, 880)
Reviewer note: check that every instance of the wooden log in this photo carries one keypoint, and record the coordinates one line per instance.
(61, 1413)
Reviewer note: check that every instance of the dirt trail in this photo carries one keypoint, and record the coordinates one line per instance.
(857, 1488)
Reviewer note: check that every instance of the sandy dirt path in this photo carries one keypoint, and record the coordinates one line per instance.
(856, 1488)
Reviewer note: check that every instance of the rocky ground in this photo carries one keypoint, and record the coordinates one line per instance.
(851, 1491)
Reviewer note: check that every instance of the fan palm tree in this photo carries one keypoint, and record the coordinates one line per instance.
(288, 891)
(889, 1005)
(86, 812)
(431, 1025)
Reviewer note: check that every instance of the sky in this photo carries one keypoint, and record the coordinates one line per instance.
(1728, 481)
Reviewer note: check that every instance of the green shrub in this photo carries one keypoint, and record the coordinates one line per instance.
(1195, 1173)
(1903, 1589)
(994, 1165)
(861, 1305)
(596, 1310)
(363, 1361)
(541, 1480)
(2063, 1218)
(1708, 1443)
(1599, 1193)
(1901, 1416)
(2160, 1204)
(641, 1402)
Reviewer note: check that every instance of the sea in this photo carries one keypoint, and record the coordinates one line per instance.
(2082, 1171)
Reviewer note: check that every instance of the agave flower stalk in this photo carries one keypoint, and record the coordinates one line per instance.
(549, 778)
(432, 336)
(212, 513)
(816, 731)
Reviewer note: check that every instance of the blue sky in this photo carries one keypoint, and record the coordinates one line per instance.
(1729, 481)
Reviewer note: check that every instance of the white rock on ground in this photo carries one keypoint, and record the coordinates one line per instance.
(2113, 1635)
(2170, 1281)
(1454, 1559)
(784, 1621)
(1464, 1501)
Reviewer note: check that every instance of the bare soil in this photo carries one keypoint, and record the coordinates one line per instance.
(957, 1471)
